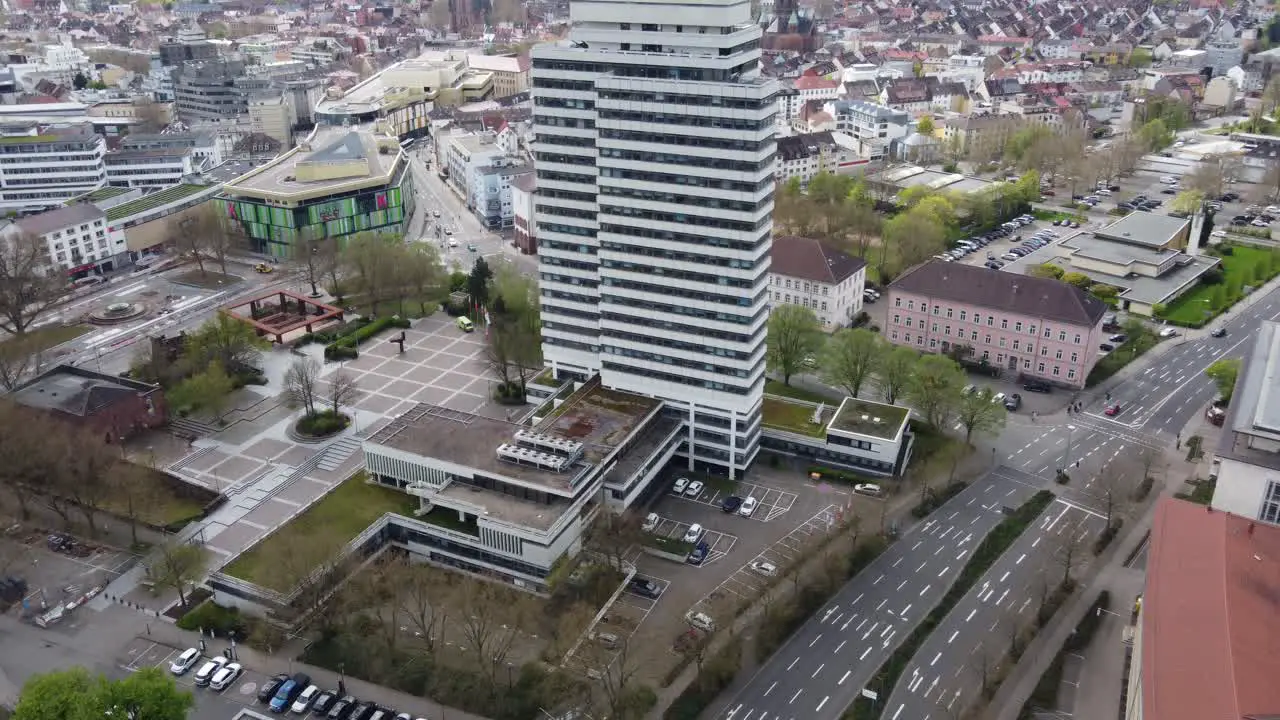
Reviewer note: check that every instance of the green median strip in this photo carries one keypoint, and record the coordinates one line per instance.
(999, 540)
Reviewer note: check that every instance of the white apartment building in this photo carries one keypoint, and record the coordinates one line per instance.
(77, 237)
(150, 168)
(812, 274)
(873, 127)
(1247, 463)
(969, 70)
(654, 153)
(44, 166)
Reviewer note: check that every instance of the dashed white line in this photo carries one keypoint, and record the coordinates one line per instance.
(936, 658)
(841, 645)
(971, 614)
(771, 687)
(845, 677)
(815, 672)
(944, 571)
(793, 663)
(1021, 557)
(901, 584)
(925, 590)
(824, 702)
(951, 639)
(793, 697)
(865, 653)
(815, 640)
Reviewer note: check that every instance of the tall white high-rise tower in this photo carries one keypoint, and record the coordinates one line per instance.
(654, 152)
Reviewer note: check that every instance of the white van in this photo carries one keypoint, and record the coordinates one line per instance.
(1169, 180)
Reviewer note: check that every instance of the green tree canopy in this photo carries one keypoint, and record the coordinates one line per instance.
(149, 694)
(851, 357)
(978, 413)
(1079, 280)
(1187, 201)
(925, 126)
(895, 370)
(935, 388)
(1223, 373)
(1047, 270)
(794, 334)
(225, 341)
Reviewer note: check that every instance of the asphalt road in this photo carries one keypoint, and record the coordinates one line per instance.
(960, 655)
(828, 661)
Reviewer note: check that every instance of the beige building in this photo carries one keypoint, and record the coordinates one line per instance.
(1221, 92)
(272, 115)
(510, 73)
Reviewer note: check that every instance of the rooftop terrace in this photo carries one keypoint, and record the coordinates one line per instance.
(871, 419)
(154, 200)
(795, 417)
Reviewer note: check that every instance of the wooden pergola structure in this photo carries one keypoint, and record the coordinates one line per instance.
(281, 312)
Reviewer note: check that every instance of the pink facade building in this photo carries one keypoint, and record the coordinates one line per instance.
(1029, 327)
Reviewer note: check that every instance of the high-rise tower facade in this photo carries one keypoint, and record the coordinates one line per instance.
(654, 153)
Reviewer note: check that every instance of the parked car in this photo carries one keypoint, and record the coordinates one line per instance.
(1106, 347)
(324, 702)
(224, 677)
(694, 533)
(998, 398)
(694, 489)
(645, 587)
(1038, 386)
(289, 692)
(269, 688)
(342, 708)
(1013, 402)
(183, 662)
(679, 487)
(650, 522)
(1168, 332)
(1118, 338)
(1009, 256)
(1112, 410)
(305, 699)
(209, 669)
(699, 554)
(748, 506)
(762, 567)
(868, 489)
(731, 504)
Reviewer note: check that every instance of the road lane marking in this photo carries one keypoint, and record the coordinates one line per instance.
(771, 687)
(935, 659)
(886, 630)
(841, 645)
(882, 602)
(815, 672)
(944, 571)
(815, 640)
(904, 610)
(865, 653)
(901, 584)
(899, 712)
(845, 626)
(971, 614)
(855, 600)
(793, 662)
(954, 633)
(890, 638)
(824, 702)
(921, 566)
(793, 697)
(897, 562)
(1002, 596)
(1021, 557)
(1035, 542)
(925, 590)
(1005, 576)
(864, 622)
(845, 677)
(877, 582)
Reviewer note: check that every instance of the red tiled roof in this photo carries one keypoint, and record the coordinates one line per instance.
(1211, 616)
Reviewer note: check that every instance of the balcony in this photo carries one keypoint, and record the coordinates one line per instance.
(451, 519)
(424, 490)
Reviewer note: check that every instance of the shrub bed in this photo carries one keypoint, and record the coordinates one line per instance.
(1045, 694)
(847, 476)
(211, 617)
(999, 540)
(1106, 536)
(324, 422)
(1128, 351)
(342, 342)
(934, 500)
(675, 546)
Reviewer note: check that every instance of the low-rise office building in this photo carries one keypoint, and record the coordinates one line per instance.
(339, 182)
(1141, 255)
(77, 237)
(509, 502)
(1021, 325)
(150, 169)
(43, 167)
(1247, 461)
(111, 407)
(815, 275)
(868, 437)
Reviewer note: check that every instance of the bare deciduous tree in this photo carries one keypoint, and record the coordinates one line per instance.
(489, 625)
(612, 535)
(178, 565)
(30, 284)
(129, 482)
(85, 468)
(619, 687)
(300, 384)
(19, 356)
(342, 390)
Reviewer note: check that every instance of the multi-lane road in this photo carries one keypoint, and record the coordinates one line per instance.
(824, 666)
(960, 656)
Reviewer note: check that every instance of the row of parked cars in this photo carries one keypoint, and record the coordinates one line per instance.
(283, 693)
(1028, 246)
(977, 242)
(1257, 216)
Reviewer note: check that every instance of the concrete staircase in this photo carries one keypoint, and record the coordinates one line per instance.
(337, 453)
(189, 429)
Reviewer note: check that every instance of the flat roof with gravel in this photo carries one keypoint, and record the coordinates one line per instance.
(871, 419)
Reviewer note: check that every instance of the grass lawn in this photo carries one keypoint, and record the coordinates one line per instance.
(1194, 309)
(775, 387)
(1128, 351)
(330, 523)
(163, 507)
(792, 417)
(49, 336)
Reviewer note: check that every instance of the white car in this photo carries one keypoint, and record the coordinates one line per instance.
(303, 703)
(224, 677)
(693, 534)
(694, 489)
(206, 672)
(748, 507)
(1218, 233)
(681, 484)
(650, 522)
(183, 662)
(453, 243)
(766, 569)
(1168, 332)
(998, 398)
(1169, 180)
(870, 489)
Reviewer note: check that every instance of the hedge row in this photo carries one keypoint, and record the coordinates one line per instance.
(999, 540)
(934, 500)
(342, 342)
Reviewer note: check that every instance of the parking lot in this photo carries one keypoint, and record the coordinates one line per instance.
(719, 543)
(771, 502)
(753, 575)
(143, 653)
(54, 578)
(999, 248)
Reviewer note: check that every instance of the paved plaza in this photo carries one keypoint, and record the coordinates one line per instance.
(268, 477)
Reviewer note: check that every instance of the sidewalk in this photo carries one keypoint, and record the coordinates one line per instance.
(1099, 672)
(167, 634)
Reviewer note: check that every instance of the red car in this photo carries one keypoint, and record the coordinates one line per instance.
(1112, 409)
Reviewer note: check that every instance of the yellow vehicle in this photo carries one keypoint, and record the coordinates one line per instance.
(263, 268)
(465, 324)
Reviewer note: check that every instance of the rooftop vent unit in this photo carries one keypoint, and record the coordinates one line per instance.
(548, 442)
(536, 458)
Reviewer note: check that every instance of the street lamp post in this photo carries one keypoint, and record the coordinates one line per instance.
(1066, 451)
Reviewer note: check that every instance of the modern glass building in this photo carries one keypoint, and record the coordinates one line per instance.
(340, 182)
